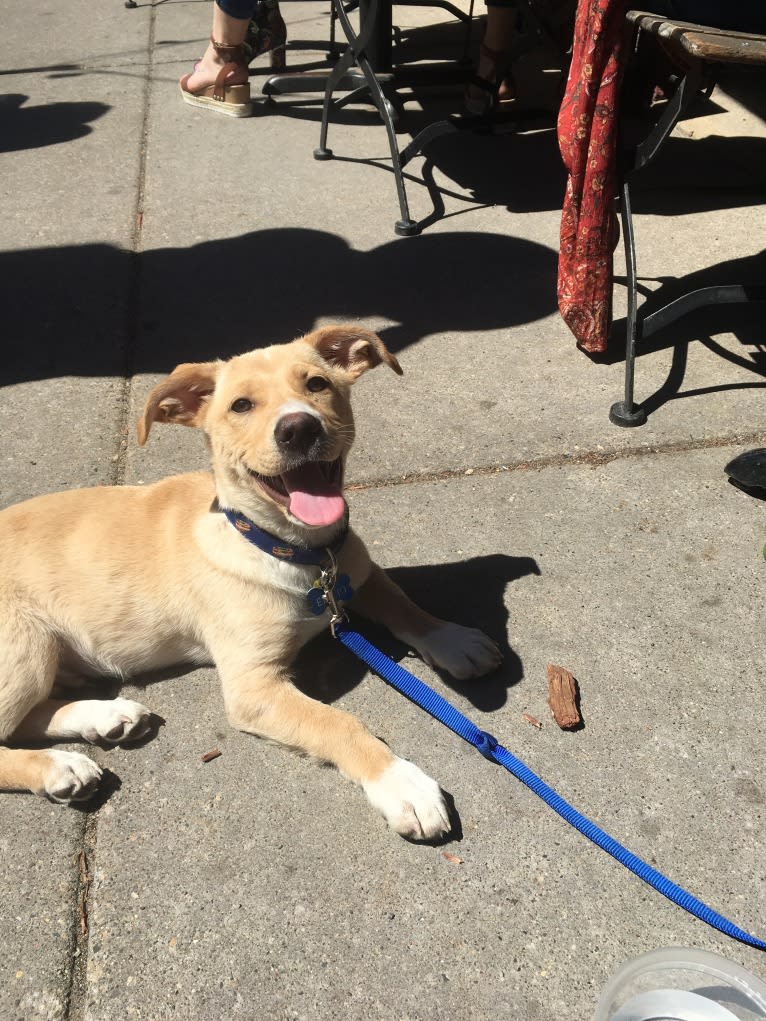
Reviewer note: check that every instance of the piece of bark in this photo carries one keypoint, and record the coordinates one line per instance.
(562, 697)
(532, 719)
(452, 858)
(209, 756)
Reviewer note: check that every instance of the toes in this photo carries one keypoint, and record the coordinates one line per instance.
(461, 651)
(410, 801)
(481, 655)
(125, 721)
(71, 777)
(117, 733)
(133, 723)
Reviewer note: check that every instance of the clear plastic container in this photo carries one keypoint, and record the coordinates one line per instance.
(682, 984)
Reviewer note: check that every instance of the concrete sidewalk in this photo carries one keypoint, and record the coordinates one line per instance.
(138, 233)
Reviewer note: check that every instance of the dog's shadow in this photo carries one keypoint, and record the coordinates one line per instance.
(469, 592)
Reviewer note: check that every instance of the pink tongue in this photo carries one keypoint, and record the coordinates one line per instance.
(313, 500)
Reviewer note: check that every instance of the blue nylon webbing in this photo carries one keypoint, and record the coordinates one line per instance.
(440, 709)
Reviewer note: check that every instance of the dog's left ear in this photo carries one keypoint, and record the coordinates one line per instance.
(181, 398)
(352, 348)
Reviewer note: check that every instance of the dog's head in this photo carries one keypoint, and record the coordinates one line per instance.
(278, 421)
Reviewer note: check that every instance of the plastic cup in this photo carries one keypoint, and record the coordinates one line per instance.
(682, 984)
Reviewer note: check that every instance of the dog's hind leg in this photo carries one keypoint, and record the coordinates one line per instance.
(28, 657)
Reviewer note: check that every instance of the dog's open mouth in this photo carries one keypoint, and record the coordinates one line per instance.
(311, 493)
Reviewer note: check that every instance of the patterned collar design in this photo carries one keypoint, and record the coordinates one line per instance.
(278, 548)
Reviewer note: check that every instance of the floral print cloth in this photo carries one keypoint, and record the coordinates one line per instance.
(587, 131)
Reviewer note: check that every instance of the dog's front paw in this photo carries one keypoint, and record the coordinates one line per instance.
(464, 652)
(115, 721)
(70, 776)
(410, 801)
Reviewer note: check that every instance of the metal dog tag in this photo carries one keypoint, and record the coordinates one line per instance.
(317, 600)
(323, 593)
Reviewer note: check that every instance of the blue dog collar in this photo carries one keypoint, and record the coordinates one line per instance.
(278, 548)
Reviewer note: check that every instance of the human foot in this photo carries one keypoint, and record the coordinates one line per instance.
(492, 82)
(219, 81)
(207, 69)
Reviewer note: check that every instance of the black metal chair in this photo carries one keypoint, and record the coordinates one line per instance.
(700, 51)
(365, 69)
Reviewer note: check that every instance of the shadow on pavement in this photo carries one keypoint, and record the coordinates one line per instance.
(469, 592)
(742, 323)
(695, 175)
(223, 297)
(35, 127)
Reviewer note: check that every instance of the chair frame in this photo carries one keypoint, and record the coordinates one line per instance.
(703, 55)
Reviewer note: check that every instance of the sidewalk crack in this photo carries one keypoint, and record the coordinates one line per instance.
(133, 311)
(592, 458)
(75, 1002)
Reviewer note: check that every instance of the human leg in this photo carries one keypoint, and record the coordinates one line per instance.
(267, 33)
(490, 84)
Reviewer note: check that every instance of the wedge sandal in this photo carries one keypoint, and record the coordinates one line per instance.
(231, 100)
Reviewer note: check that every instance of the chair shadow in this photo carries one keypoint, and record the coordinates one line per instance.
(695, 175)
(746, 87)
(742, 322)
(469, 592)
(513, 163)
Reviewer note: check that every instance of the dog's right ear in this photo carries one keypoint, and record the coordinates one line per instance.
(181, 398)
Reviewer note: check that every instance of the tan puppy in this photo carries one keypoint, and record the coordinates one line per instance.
(120, 580)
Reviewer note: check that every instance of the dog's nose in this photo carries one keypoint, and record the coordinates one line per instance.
(295, 433)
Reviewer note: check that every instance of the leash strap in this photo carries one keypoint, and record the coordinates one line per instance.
(441, 710)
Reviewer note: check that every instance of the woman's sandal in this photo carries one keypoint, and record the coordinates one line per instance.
(493, 90)
(267, 33)
(232, 100)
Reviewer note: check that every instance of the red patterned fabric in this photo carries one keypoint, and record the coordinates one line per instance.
(587, 128)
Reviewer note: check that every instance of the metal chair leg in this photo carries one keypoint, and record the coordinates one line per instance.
(345, 62)
(625, 412)
(405, 226)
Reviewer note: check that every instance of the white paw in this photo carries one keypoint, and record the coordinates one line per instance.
(70, 776)
(463, 652)
(116, 721)
(410, 801)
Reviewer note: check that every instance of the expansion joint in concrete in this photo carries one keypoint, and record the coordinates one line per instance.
(76, 996)
(590, 458)
(75, 999)
(133, 312)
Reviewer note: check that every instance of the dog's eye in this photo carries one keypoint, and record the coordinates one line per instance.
(316, 383)
(241, 405)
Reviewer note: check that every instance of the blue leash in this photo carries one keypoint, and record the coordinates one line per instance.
(441, 710)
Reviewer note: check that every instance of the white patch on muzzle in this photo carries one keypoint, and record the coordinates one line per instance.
(294, 407)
